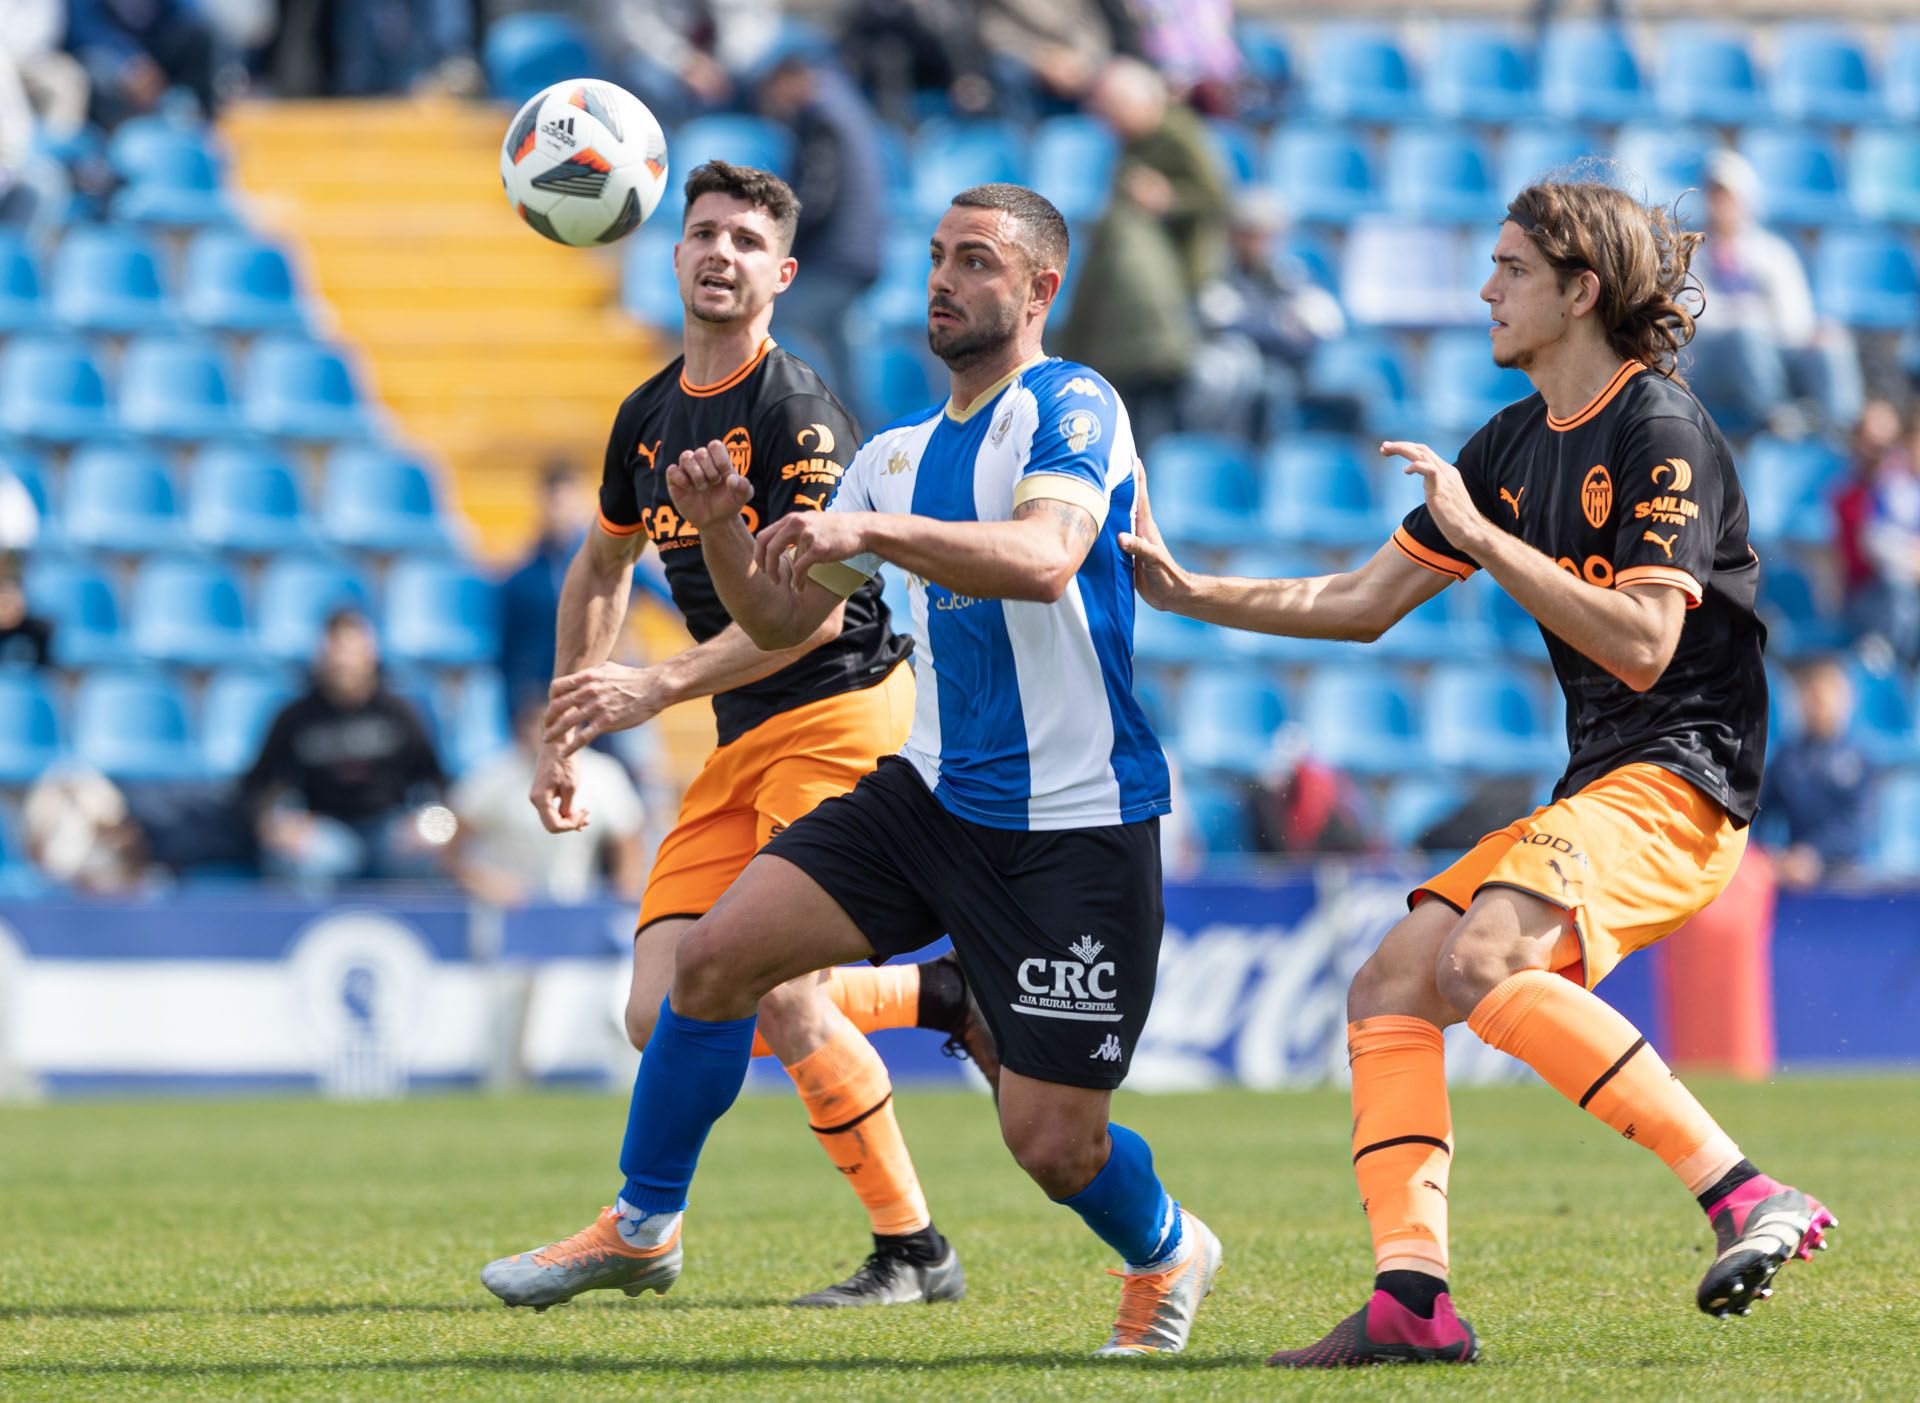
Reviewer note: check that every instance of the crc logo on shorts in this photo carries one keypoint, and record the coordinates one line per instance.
(1081, 988)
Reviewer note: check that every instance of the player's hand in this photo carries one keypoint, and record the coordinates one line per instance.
(799, 541)
(556, 792)
(596, 700)
(1156, 574)
(1453, 510)
(705, 488)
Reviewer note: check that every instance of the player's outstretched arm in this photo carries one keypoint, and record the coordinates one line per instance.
(1355, 606)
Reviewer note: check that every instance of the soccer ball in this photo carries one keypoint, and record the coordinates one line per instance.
(584, 162)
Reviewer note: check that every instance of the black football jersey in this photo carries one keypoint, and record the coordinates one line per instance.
(1637, 487)
(790, 438)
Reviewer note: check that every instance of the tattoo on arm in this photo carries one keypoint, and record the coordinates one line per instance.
(1079, 524)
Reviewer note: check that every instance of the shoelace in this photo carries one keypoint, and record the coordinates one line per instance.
(879, 1269)
(1140, 1300)
(582, 1246)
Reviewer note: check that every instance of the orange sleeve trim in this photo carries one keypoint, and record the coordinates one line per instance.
(614, 528)
(1430, 559)
(718, 386)
(1661, 575)
(1626, 372)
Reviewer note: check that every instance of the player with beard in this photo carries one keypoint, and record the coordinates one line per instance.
(795, 725)
(1607, 505)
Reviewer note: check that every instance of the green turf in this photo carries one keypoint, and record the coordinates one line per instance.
(300, 1248)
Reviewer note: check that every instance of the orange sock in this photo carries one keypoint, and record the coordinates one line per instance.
(1592, 1056)
(1402, 1140)
(872, 996)
(849, 1102)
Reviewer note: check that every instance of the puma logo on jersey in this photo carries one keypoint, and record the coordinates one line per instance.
(1664, 542)
(1512, 499)
(642, 451)
(818, 504)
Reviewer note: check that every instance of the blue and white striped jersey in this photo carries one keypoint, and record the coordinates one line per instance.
(1026, 717)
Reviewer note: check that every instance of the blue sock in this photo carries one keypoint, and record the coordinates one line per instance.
(1125, 1205)
(690, 1075)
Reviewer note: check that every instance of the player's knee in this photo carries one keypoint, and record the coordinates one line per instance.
(788, 1006)
(641, 1016)
(711, 978)
(1390, 983)
(1056, 1153)
(1469, 966)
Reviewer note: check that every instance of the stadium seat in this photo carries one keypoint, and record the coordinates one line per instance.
(1588, 73)
(649, 291)
(20, 305)
(1228, 721)
(51, 389)
(1309, 254)
(1464, 388)
(80, 601)
(1236, 147)
(300, 389)
(1867, 279)
(1800, 181)
(132, 726)
(1073, 158)
(1415, 804)
(1441, 175)
(440, 613)
(1886, 722)
(475, 726)
(949, 156)
(1798, 620)
(1897, 826)
(724, 136)
(897, 302)
(1480, 73)
(30, 737)
(380, 499)
(1279, 562)
(896, 375)
(1489, 720)
(1169, 639)
(1820, 74)
(1453, 624)
(175, 387)
(1361, 719)
(1669, 159)
(1269, 59)
(1786, 482)
(1901, 78)
(104, 278)
(1397, 274)
(246, 499)
(174, 184)
(1514, 629)
(1532, 151)
(120, 498)
(235, 712)
(1324, 173)
(531, 50)
(1707, 74)
(1370, 371)
(1205, 491)
(1360, 73)
(236, 282)
(1320, 489)
(296, 594)
(1217, 809)
(1883, 173)
(30, 471)
(186, 610)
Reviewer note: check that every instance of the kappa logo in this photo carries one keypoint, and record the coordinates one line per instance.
(1080, 385)
(898, 462)
(821, 436)
(1664, 542)
(1596, 496)
(1512, 499)
(641, 450)
(739, 449)
(1108, 1050)
(1081, 429)
(1679, 469)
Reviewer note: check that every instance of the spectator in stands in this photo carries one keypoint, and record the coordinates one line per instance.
(1046, 55)
(1159, 241)
(503, 854)
(1886, 606)
(337, 790)
(530, 596)
(1875, 439)
(1261, 319)
(43, 92)
(901, 51)
(686, 57)
(1813, 802)
(1301, 804)
(1761, 357)
(135, 50)
(81, 834)
(841, 181)
(24, 636)
(1191, 42)
(359, 48)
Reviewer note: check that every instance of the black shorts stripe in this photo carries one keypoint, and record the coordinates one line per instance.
(1402, 1140)
(837, 1129)
(1607, 1075)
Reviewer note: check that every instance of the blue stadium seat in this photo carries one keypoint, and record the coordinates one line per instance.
(1464, 388)
(174, 183)
(897, 302)
(380, 499)
(235, 281)
(132, 726)
(1441, 175)
(1516, 631)
(303, 390)
(1360, 72)
(20, 305)
(296, 593)
(950, 156)
(1821, 74)
(475, 726)
(896, 375)
(419, 688)
(105, 278)
(1533, 150)
(1480, 73)
(1320, 489)
(1170, 639)
(1279, 562)
(187, 610)
(1670, 159)
(1204, 489)
(1217, 810)
(1414, 805)
(1394, 273)
(1324, 173)
(1897, 840)
(30, 471)
(1236, 147)
(51, 389)
(1707, 74)
(648, 288)
(80, 601)
(1228, 720)
(1886, 721)
(1073, 158)
(724, 136)
(246, 499)
(1800, 179)
(1798, 620)
(1269, 59)
(1456, 622)
(235, 712)
(175, 387)
(439, 612)
(1901, 78)
(531, 50)
(1369, 369)
(120, 498)
(1867, 279)
(1787, 482)
(1309, 254)
(30, 738)
(1883, 173)
(1588, 73)
(1363, 720)
(1489, 720)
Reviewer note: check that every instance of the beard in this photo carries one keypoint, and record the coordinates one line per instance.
(964, 346)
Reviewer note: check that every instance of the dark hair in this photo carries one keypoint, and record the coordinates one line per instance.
(342, 616)
(556, 472)
(1043, 232)
(1639, 252)
(762, 189)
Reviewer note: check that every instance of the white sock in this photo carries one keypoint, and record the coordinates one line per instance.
(645, 1231)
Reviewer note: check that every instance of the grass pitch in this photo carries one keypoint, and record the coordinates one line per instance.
(298, 1249)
